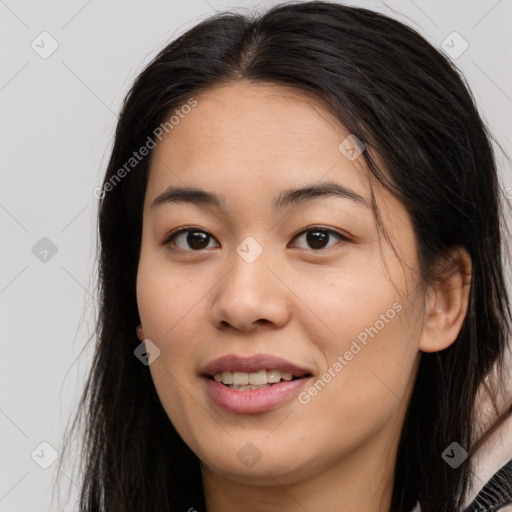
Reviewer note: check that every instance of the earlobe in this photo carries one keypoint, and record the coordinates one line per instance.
(446, 302)
(140, 332)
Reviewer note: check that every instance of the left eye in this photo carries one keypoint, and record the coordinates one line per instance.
(317, 237)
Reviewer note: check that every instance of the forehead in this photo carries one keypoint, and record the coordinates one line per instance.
(245, 132)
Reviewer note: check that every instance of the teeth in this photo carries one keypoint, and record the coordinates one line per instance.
(254, 380)
(273, 376)
(246, 388)
(258, 378)
(240, 379)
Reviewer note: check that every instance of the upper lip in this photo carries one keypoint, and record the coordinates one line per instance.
(234, 363)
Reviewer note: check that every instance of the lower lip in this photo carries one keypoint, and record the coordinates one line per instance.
(253, 400)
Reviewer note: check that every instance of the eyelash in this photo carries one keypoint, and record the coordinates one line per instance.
(169, 239)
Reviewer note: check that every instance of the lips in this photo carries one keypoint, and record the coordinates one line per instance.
(225, 384)
(252, 364)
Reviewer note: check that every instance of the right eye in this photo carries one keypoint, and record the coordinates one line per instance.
(196, 238)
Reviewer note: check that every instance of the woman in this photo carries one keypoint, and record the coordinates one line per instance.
(303, 302)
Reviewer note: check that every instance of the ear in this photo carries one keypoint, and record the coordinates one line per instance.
(446, 301)
(140, 332)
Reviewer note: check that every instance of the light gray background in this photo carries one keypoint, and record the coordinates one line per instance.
(58, 116)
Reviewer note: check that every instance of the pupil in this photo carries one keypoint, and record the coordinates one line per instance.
(317, 239)
(197, 239)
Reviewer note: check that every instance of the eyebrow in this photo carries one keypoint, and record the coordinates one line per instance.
(296, 196)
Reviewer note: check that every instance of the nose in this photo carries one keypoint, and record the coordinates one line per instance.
(251, 295)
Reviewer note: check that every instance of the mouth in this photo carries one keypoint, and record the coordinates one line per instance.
(253, 384)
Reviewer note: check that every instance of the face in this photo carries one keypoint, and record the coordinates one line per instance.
(250, 290)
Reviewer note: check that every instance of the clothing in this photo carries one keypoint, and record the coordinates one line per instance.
(496, 495)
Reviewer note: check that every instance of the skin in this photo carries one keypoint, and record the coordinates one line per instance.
(247, 142)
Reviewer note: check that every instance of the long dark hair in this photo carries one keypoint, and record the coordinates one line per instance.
(411, 106)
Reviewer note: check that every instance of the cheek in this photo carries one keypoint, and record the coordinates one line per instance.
(168, 301)
(362, 391)
(347, 304)
(369, 343)
(171, 316)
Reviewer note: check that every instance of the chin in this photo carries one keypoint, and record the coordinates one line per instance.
(247, 466)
